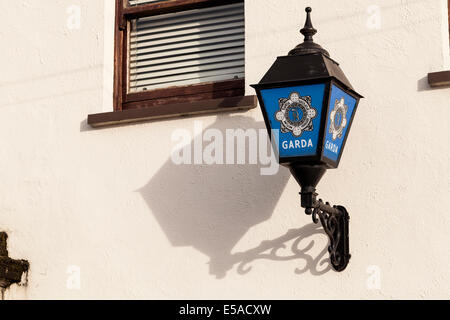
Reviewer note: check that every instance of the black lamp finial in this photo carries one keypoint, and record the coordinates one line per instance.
(308, 31)
(308, 46)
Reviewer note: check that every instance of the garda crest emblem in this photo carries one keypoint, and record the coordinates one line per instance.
(296, 114)
(338, 119)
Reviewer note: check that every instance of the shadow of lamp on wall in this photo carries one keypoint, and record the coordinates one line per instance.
(211, 207)
(279, 250)
(308, 106)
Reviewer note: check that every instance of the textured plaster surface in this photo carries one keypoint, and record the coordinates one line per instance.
(111, 203)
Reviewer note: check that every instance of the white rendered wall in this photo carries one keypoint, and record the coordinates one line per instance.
(111, 204)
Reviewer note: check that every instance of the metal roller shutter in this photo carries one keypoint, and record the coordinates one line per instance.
(188, 47)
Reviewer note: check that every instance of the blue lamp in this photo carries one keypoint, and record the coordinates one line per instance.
(308, 106)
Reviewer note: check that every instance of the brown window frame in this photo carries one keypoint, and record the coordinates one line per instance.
(124, 100)
(442, 78)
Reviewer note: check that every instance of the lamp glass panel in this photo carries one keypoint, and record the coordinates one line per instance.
(340, 112)
(294, 115)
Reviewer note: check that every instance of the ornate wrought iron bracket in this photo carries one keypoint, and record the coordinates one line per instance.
(334, 220)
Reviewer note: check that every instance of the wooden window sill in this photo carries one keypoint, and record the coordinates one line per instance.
(172, 111)
(439, 79)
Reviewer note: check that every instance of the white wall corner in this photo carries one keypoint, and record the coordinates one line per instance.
(108, 55)
(445, 33)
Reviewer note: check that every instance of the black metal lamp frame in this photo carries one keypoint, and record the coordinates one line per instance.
(309, 63)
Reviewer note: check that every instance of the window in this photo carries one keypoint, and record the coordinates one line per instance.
(179, 51)
(188, 47)
(442, 78)
(177, 57)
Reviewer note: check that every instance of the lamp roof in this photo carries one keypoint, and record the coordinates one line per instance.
(307, 61)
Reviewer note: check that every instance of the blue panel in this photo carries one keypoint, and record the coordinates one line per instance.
(340, 112)
(295, 112)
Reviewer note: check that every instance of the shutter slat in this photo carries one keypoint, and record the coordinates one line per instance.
(137, 2)
(199, 16)
(191, 58)
(149, 79)
(197, 32)
(187, 47)
(188, 69)
(170, 30)
(195, 42)
(188, 63)
(205, 78)
(205, 50)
